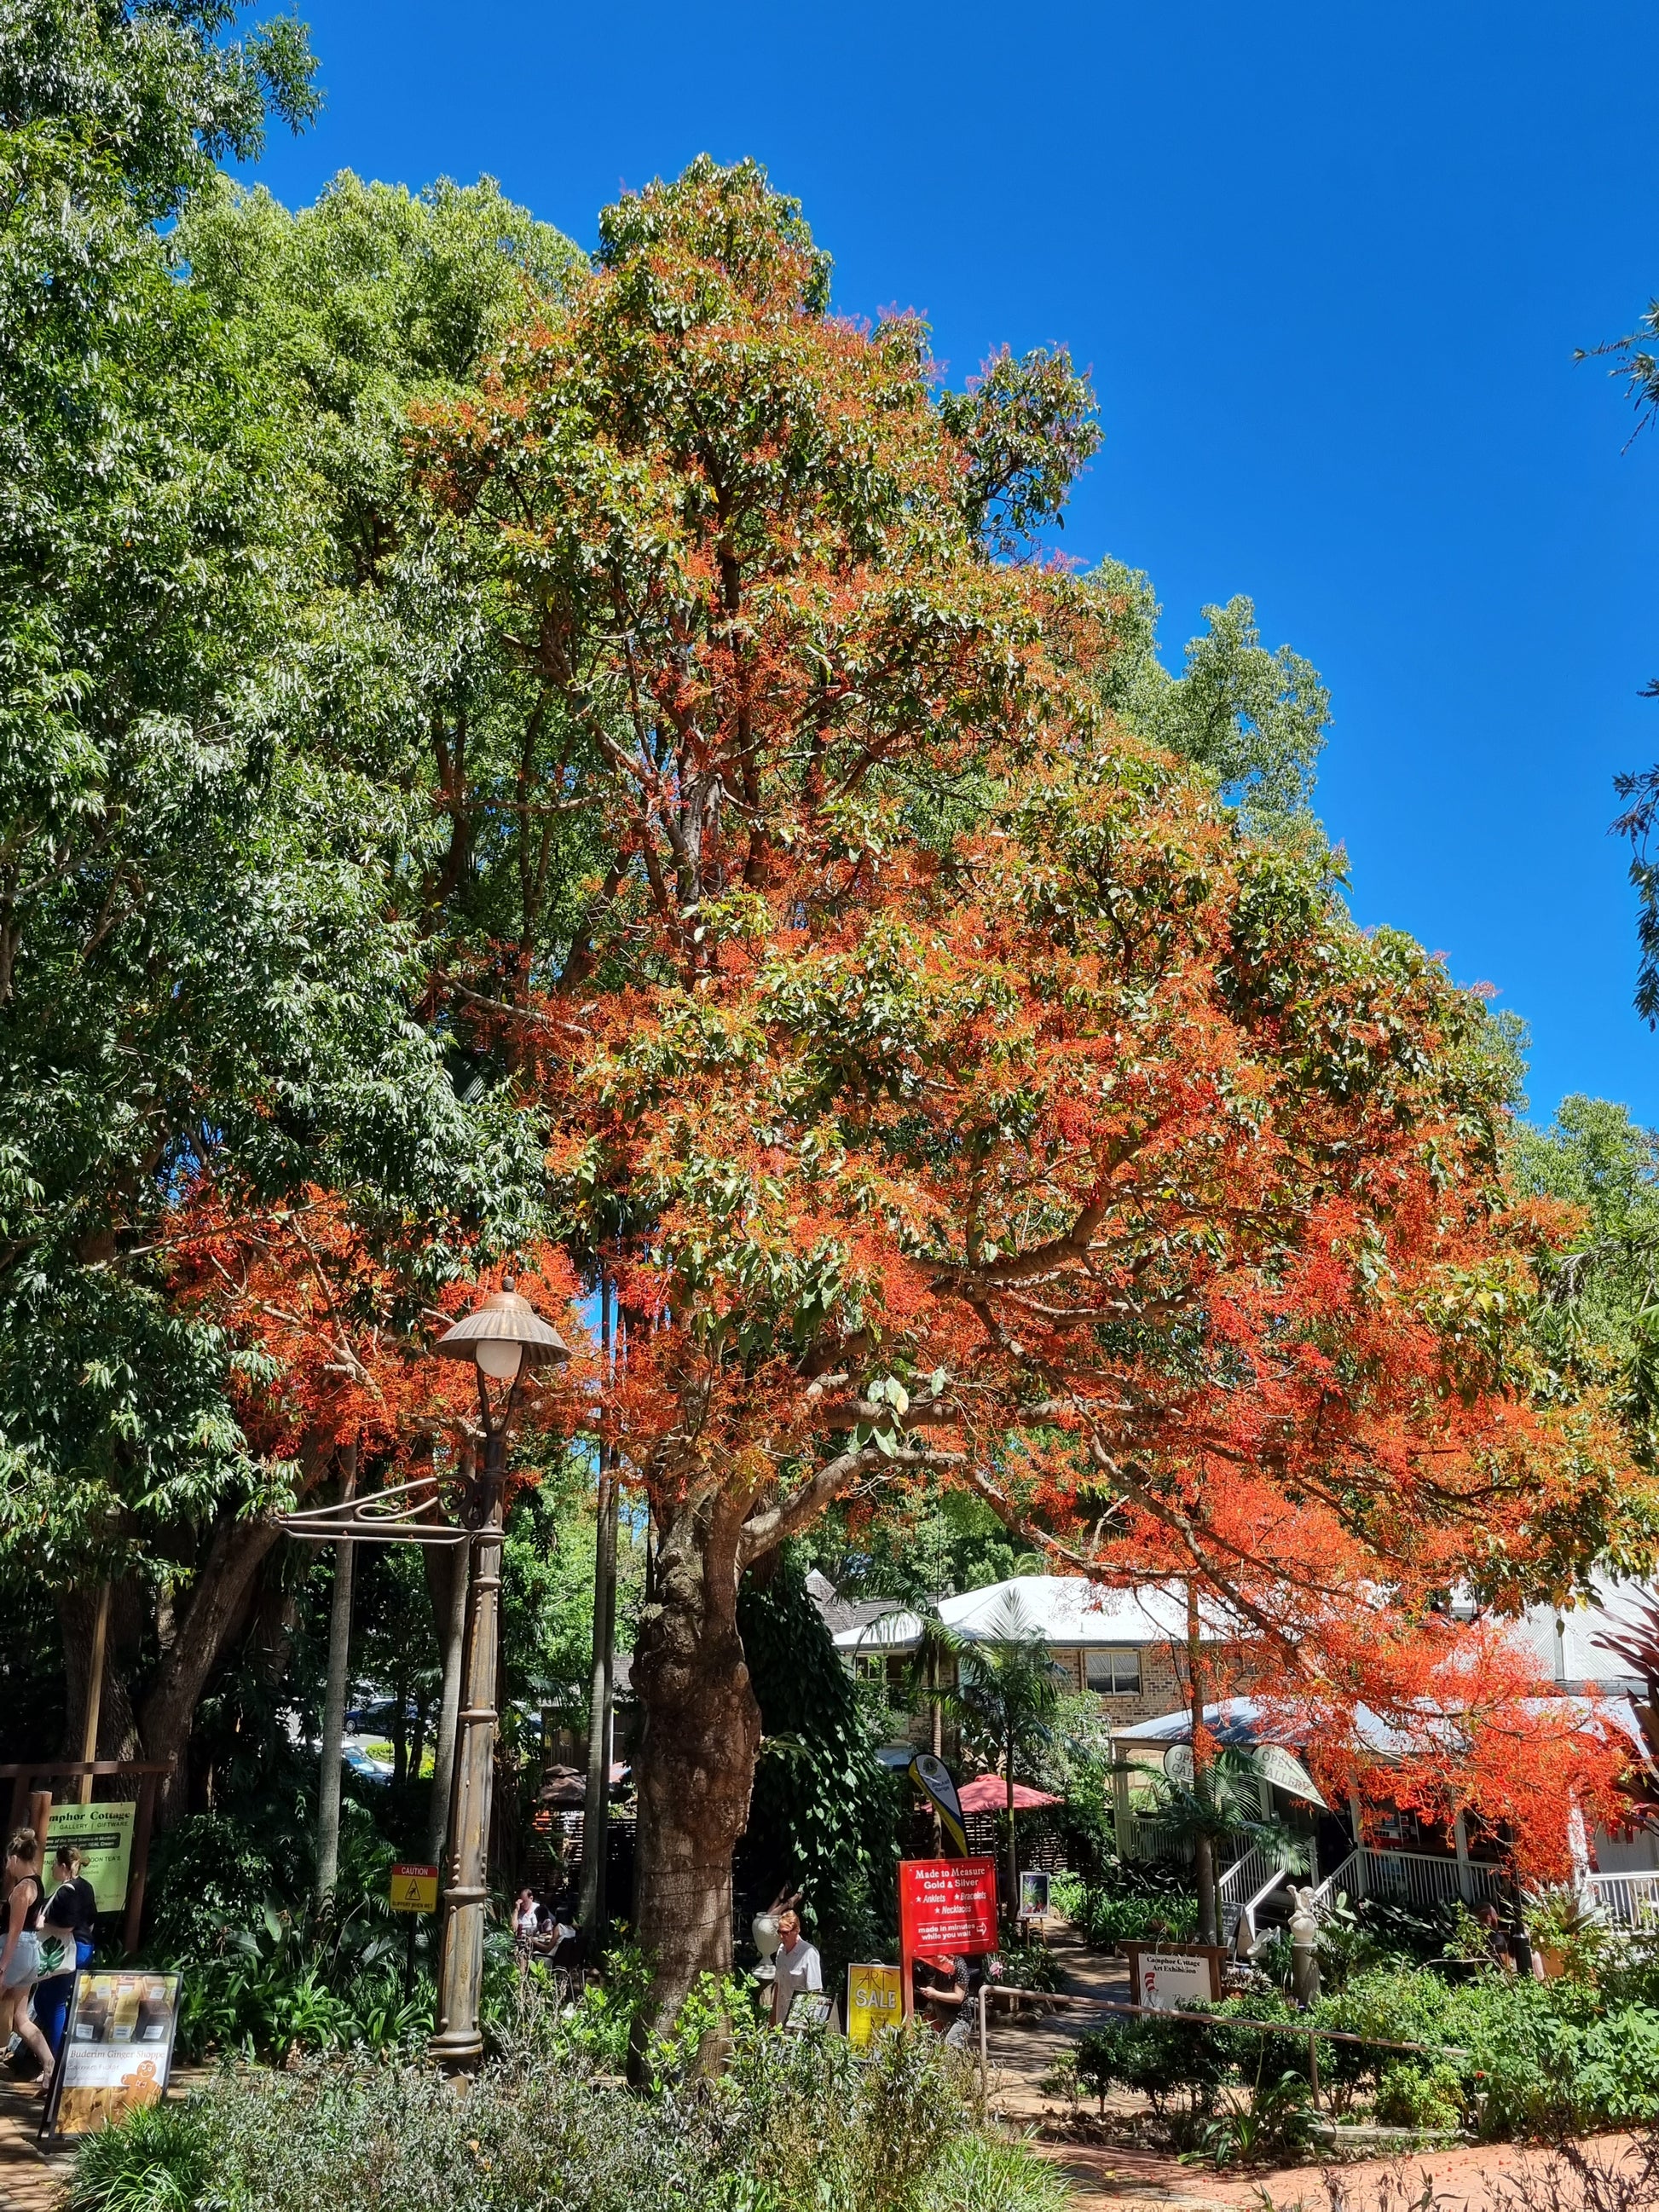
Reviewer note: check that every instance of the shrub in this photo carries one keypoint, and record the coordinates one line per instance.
(1411, 2094)
(1173, 2068)
(794, 2121)
(814, 2120)
(1029, 1964)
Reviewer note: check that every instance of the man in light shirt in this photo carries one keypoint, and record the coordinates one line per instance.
(799, 1968)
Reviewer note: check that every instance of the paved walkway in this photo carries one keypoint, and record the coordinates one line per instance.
(29, 2182)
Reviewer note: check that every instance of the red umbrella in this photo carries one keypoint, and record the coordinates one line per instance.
(988, 1793)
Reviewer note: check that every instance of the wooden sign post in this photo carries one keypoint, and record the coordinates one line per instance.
(413, 1890)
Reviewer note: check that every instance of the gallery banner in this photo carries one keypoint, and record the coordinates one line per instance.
(103, 1836)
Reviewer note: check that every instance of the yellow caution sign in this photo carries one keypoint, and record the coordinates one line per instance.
(875, 2000)
(414, 1889)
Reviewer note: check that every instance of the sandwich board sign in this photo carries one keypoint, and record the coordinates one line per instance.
(118, 2050)
(414, 1889)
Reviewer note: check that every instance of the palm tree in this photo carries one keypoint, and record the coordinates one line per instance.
(1006, 1695)
(1219, 1805)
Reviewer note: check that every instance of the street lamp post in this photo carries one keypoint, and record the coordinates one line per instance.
(503, 1338)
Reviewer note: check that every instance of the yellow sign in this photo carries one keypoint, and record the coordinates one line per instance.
(414, 1889)
(875, 2000)
(103, 1836)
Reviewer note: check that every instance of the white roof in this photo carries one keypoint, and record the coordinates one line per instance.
(1569, 1646)
(1065, 1610)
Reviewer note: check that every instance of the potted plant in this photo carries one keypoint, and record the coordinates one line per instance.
(1566, 1935)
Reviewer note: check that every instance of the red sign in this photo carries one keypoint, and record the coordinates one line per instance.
(947, 1905)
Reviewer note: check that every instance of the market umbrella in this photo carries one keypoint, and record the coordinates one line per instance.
(988, 1793)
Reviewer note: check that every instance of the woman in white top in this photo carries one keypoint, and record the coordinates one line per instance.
(798, 1966)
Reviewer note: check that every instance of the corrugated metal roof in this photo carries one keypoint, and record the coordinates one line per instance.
(1065, 1610)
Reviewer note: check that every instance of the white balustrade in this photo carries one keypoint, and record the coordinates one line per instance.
(1418, 1878)
(1626, 1900)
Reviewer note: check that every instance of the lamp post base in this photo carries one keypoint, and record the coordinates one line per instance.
(458, 2051)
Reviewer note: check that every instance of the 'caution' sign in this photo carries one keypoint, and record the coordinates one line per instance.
(414, 1889)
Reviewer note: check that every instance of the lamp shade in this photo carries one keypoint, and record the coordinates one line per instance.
(504, 1335)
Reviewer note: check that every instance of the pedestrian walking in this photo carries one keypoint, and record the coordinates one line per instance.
(72, 1911)
(20, 1961)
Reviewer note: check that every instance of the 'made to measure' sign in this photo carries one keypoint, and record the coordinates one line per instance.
(947, 1905)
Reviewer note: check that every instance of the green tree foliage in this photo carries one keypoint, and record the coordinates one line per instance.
(1599, 1317)
(925, 1545)
(825, 1815)
(1255, 720)
(210, 974)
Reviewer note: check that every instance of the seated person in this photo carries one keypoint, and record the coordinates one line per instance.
(947, 1987)
(555, 1929)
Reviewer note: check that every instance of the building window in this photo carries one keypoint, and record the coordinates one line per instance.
(1113, 1673)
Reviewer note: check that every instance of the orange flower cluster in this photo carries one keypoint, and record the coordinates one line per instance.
(332, 1340)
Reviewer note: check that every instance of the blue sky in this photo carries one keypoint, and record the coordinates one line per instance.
(1328, 266)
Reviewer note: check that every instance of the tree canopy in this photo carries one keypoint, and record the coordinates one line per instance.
(974, 1093)
(508, 758)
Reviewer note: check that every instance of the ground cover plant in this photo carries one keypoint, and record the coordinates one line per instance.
(793, 2121)
(1126, 1908)
(1504, 2057)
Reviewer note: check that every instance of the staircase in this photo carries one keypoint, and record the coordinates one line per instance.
(1245, 1887)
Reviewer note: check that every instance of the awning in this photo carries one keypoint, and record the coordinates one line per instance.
(1271, 1761)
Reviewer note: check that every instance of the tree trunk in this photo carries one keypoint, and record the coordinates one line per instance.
(418, 1743)
(1013, 1846)
(117, 1731)
(593, 1912)
(334, 1696)
(448, 1575)
(218, 1601)
(938, 1742)
(400, 1730)
(699, 1742)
